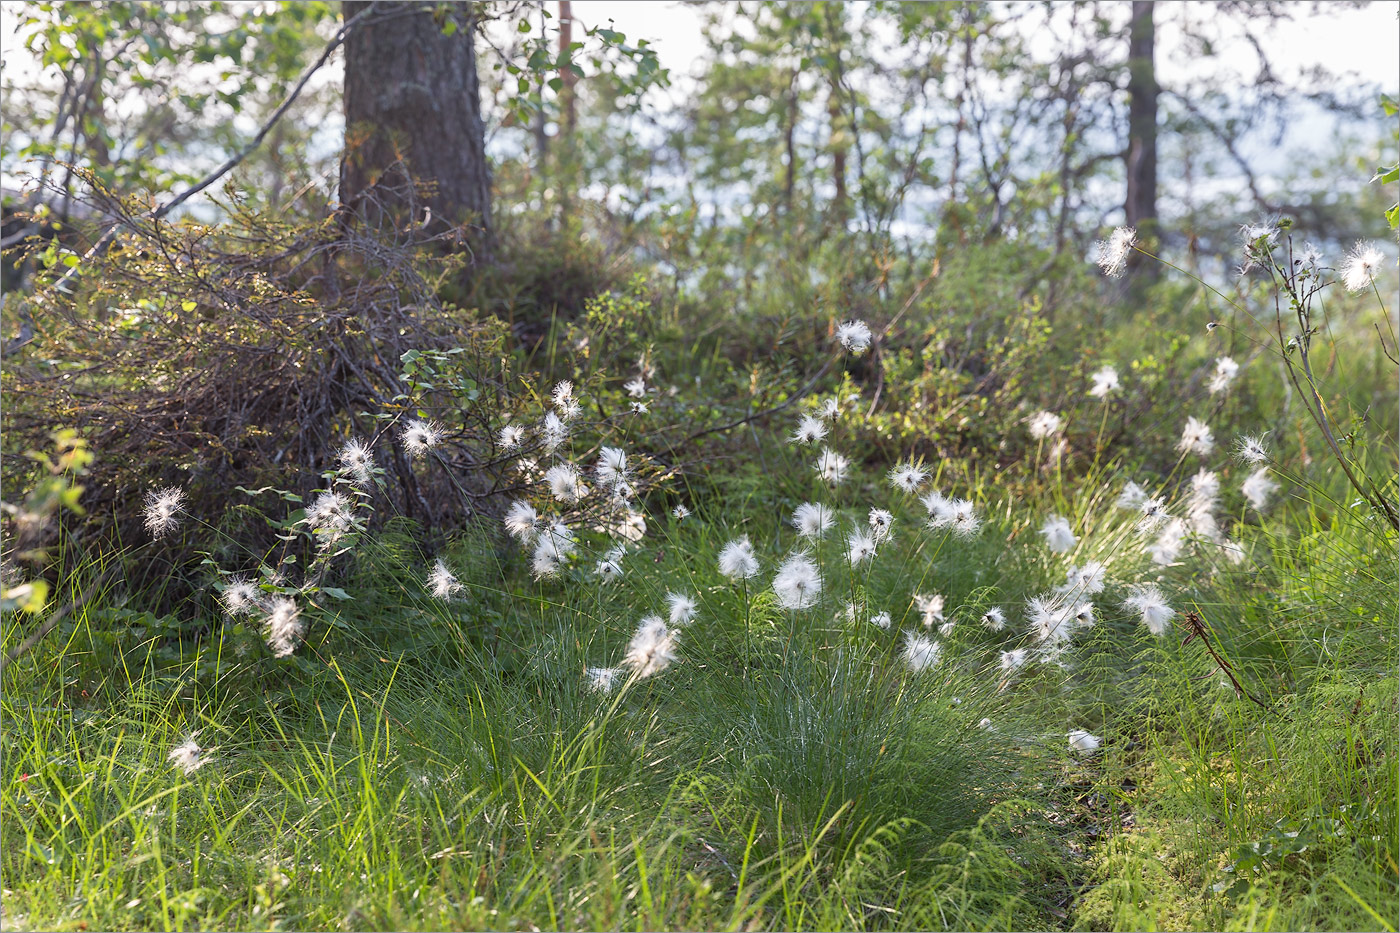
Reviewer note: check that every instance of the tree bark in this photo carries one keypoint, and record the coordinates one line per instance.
(414, 138)
(1140, 205)
(568, 113)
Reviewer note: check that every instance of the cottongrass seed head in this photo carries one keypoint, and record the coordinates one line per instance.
(920, 652)
(522, 521)
(241, 597)
(441, 581)
(1225, 372)
(854, 337)
(681, 608)
(1360, 267)
(930, 607)
(1059, 536)
(1258, 487)
(907, 477)
(553, 432)
(612, 467)
(1105, 382)
(635, 388)
(1087, 580)
(1115, 251)
(284, 627)
(510, 437)
(553, 547)
(1153, 511)
(832, 467)
(881, 524)
(680, 513)
(1132, 496)
(1083, 742)
(419, 437)
(812, 520)
(1196, 438)
(162, 511)
(652, 649)
(602, 679)
(565, 482)
(1151, 607)
(881, 620)
(1044, 424)
(737, 560)
(608, 570)
(329, 515)
(357, 460)
(1251, 449)
(1013, 659)
(860, 547)
(188, 756)
(810, 429)
(994, 619)
(798, 583)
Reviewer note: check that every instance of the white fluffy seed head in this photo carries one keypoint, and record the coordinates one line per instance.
(188, 756)
(357, 461)
(284, 627)
(809, 430)
(1115, 251)
(162, 511)
(652, 648)
(1226, 369)
(419, 437)
(881, 524)
(1045, 424)
(442, 583)
(908, 477)
(798, 583)
(832, 467)
(553, 432)
(1361, 266)
(854, 337)
(1083, 742)
(930, 607)
(812, 520)
(1105, 382)
(565, 483)
(920, 652)
(1251, 449)
(737, 560)
(1059, 536)
(1196, 438)
(681, 608)
(1258, 487)
(860, 547)
(522, 521)
(241, 597)
(1152, 608)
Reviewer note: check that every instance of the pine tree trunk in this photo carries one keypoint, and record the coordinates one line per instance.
(1140, 206)
(413, 131)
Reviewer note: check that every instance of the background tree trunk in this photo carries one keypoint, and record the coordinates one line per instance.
(1140, 206)
(412, 102)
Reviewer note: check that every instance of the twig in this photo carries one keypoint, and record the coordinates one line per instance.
(1196, 628)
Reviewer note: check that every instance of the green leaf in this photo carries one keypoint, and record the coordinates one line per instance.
(27, 597)
(335, 592)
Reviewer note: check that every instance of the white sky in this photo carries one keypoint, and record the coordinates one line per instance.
(1365, 42)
